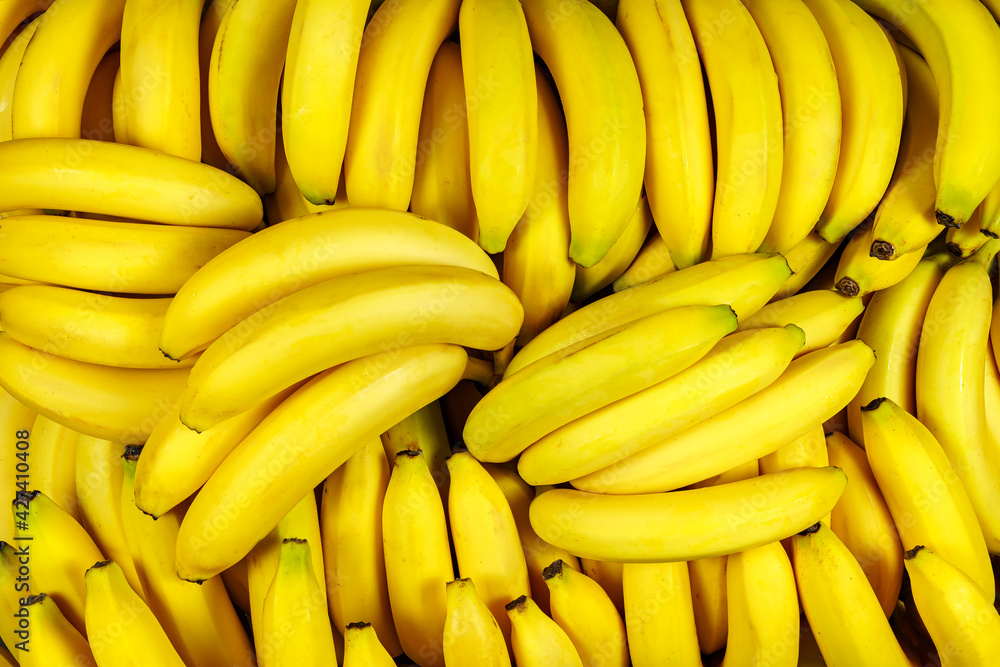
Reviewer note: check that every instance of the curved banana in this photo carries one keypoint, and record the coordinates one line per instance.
(812, 389)
(679, 174)
(126, 181)
(502, 117)
(54, 641)
(859, 273)
(659, 615)
(679, 525)
(211, 19)
(537, 640)
(16, 423)
(588, 616)
(651, 262)
(111, 602)
(16, 12)
(620, 256)
(863, 522)
(607, 129)
(287, 202)
(750, 361)
(989, 220)
(161, 75)
(243, 80)
(961, 42)
(316, 92)
(10, 63)
(375, 312)
(98, 107)
(608, 574)
(442, 186)
(806, 260)
(872, 100)
(280, 461)
(808, 450)
(471, 633)
(417, 558)
(118, 111)
(964, 241)
(58, 65)
(424, 430)
(561, 387)
(745, 282)
(362, 648)
(397, 49)
(53, 464)
(748, 123)
(822, 314)
(281, 260)
(353, 553)
(120, 404)
(922, 490)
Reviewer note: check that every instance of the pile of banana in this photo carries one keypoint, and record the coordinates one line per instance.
(452, 333)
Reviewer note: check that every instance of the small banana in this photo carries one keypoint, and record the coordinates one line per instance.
(471, 632)
(53, 464)
(659, 615)
(859, 273)
(538, 641)
(54, 641)
(989, 220)
(652, 261)
(362, 647)
(823, 315)
(211, 19)
(10, 63)
(964, 241)
(424, 430)
(613, 265)
(588, 616)
(16, 12)
(806, 260)
(608, 574)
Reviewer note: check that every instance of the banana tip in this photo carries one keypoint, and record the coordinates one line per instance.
(517, 604)
(912, 553)
(553, 570)
(954, 249)
(945, 219)
(358, 625)
(811, 529)
(132, 452)
(848, 287)
(873, 404)
(882, 250)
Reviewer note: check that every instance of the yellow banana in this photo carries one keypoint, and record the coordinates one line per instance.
(283, 459)
(989, 220)
(362, 647)
(351, 526)
(808, 450)
(679, 176)
(502, 117)
(286, 258)
(112, 604)
(11, 559)
(678, 525)
(317, 90)
(118, 112)
(287, 202)
(161, 75)
(237, 582)
(805, 260)
(54, 641)
(16, 12)
(471, 633)
(16, 423)
(588, 616)
(211, 19)
(397, 49)
(424, 430)
(608, 574)
(652, 261)
(53, 464)
(659, 615)
(417, 558)
(10, 63)
(872, 100)
(748, 123)
(243, 80)
(98, 107)
(537, 640)
(964, 241)
(822, 314)
(612, 265)
(859, 273)
(604, 116)
(58, 65)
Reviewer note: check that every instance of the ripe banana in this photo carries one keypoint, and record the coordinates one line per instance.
(98, 107)
(620, 256)
(54, 641)
(859, 273)
(964, 241)
(286, 258)
(609, 574)
(989, 220)
(362, 648)
(844, 616)
(53, 464)
(16, 422)
(16, 12)
(607, 130)
(652, 261)
(424, 430)
(471, 633)
(659, 616)
(243, 80)
(588, 616)
(872, 99)
(118, 112)
(10, 63)
(679, 525)
(376, 312)
(679, 176)
(538, 641)
(748, 123)
(161, 75)
(287, 202)
(285, 458)
(10, 560)
(397, 50)
(317, 90)
(805, 260)
(823, 315)
(808, 450)
(211, 19)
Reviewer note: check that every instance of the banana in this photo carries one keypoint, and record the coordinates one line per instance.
(538, 641)
(560, 388)
(485, 537)
(98, 107)
(608, 574)
(442, 186)
(989, 220)
(375, 312)
(652, 261)
(964, 241)
(287, 202)
(317, 90)
(604, 115)
(859, 273)
(471, 633)
(424, 430)
(397, 50)
(922, 490)
(659, 616)
(362, 648)
(199, 619)
(300, 253)
(111, 603)
(961, 620)
(126, 181)
(679, 174)
(808, 450)
(748, 122)
(536, 263)
(904, 220)
(16, 423)
(10, 63)
(679, 525)
(745, 282)
(58, 65)
(811, 117)
(120, 404)
(161, 75)
(805, 260)
(243, 79)
(353, 553)
(11, 558)
(750, 361)
(872, 101)
(53, 464)
(842, 610)
(283, 459)
(502, 118)
(417, 558)
(54, 641)
(951, 361)
(118, 111)
(295, 612)
(823, 315)
(211, 19)
(812, 389)
(961, 43)
(16, 12)
(588, 616)
(620, 256)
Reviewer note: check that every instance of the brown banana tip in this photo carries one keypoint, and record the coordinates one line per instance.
(848, 287)
(882, 250)
(409, 453)
(553, 570)
(295, 540)
(132, 452)
(912, 553)
(23, 498)
(945, 219)
(954, 249)
(516, 603)
(358, 625)
(986, 232)
(99, 564)
(873, 405)
(167, 355)
(811, 529)
(34, 599)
